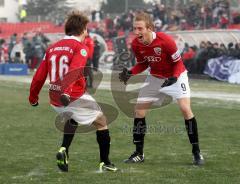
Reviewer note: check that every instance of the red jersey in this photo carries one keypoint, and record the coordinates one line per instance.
(63, 62)
(190, 54)
(88, 41)
(162, 56)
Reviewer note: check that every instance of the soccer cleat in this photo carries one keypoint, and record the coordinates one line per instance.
(107, 167)
(135, 158)
(198, 159)
(62, 159)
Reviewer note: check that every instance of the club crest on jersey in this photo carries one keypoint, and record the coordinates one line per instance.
(83, 52)
(157, 50)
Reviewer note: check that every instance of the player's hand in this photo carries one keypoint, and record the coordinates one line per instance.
(35, 104)
(169, 81)
(65, 99)
(125, 75)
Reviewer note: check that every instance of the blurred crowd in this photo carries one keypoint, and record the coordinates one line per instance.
(28, 49)
(195, 15)
(195, 58)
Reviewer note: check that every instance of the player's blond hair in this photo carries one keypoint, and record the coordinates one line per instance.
(76, 23)
(142, 16)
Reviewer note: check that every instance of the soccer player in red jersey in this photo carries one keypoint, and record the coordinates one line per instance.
(168, 77)
(64, 63)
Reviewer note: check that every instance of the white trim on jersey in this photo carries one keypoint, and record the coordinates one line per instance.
(154, 35)
(177, 59)
(176, 56)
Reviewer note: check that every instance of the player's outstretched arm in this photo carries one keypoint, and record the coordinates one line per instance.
(37, 83)
(169, 81)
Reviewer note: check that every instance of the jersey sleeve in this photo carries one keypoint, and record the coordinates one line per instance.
(138, 68)
(174, 54)
(76, 70)
(171, 49)
(141, 65)
(38, 81)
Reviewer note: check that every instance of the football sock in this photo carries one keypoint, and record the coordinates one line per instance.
(69, 131)
(192, 131)
(139, 130)
(103, 140)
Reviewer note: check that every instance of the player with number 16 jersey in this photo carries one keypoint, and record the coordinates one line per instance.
(67, 56)
(64, 63)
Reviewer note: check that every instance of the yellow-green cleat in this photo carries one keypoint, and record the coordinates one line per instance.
(107, 167)
(62, 159)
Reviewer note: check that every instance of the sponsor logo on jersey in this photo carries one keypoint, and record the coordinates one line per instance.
(83, 52)
(152, 59)
(157, 50)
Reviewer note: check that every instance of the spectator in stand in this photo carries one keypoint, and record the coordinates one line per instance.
(222, 50)
(224, 21)
(210, 50)
(39, 48)
(160, 12)
(156, 11)
(183, 24)
(237, 50)
(44, 40)
(2, 41)
(13, 41)
(88, 73)
(109, 23)
(215, 12)
(189, 54)
(96, 53)
(158, 24)
(93, 15)
(127, 24)
(117, 22)
(236, 18)
(110, 28)
(188, 57)
(216, 50)
(27, 49)
(231, 50)
(207, 15)
(201, 57)
(1, 50)
(17, 55)
(4, 48)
